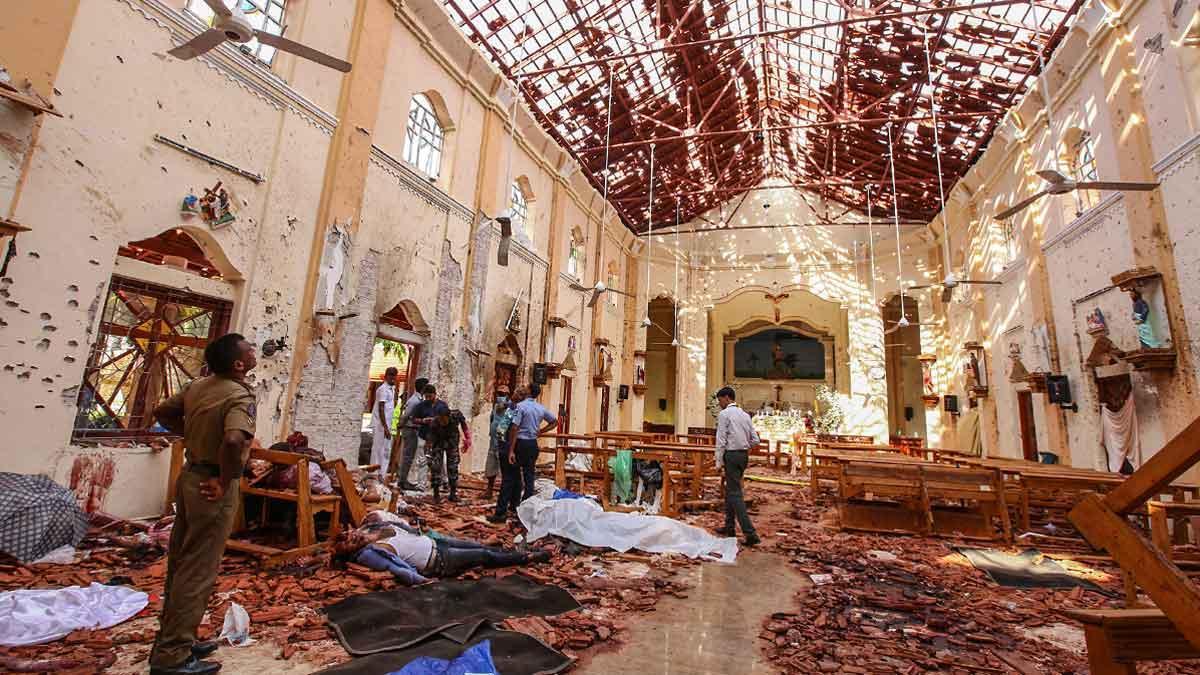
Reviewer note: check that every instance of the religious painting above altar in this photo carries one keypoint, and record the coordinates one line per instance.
(779, 354)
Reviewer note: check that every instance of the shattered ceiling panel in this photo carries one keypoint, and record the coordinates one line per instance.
(734, 93)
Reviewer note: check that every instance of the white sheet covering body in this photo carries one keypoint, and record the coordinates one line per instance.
(35, 616)
(584, 522)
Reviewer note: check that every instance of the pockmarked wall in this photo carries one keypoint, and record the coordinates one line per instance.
(100, 177)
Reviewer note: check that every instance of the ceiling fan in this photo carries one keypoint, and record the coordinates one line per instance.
(233, 26)
(951, 282)
(597, 290)
(1060, 184)
(905, 323)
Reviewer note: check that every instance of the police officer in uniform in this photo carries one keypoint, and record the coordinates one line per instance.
(215, 414)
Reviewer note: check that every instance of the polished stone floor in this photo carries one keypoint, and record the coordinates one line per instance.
(714, 631)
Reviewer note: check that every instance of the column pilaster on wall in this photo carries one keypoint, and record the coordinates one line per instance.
(555, 254)
(596, 264)
(633, 411)
(1041, 305)
(1146, 217)
(346, 169)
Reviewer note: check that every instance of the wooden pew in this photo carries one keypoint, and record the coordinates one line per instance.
(824, 459)
(900, 496)
(1118, 638)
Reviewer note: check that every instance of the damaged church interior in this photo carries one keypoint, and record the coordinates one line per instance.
(600, 336)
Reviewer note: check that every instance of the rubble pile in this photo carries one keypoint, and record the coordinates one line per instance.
(284, 603)
(903, 604)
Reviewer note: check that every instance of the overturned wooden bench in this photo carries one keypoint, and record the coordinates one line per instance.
(1119, 638)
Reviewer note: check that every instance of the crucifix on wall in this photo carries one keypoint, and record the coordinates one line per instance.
(775, 299)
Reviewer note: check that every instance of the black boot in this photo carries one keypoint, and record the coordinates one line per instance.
(453, 496)
(192, 666)
(437, 496)
(201, 649)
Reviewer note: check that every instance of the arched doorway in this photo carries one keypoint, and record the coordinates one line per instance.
(661, 358)
(901, 347)
(508, 364)
(166, 300)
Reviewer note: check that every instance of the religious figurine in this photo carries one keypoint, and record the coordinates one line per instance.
(190, 205)
(973, 364)
(1096, 323)
(927, 380)
(640, 376)
(1141, 318)
(222, 211)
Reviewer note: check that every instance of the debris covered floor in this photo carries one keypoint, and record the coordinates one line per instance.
(810, 599)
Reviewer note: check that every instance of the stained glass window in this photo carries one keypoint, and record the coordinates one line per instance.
(424, 139)
(1085, 170)
(264, 15)
(151, 343)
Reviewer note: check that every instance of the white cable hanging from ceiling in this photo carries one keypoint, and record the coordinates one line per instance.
(649, 237)
(505, 217)
(871, 243)
(903, 322)
(937, 156)
(675, 323)
(604, 201)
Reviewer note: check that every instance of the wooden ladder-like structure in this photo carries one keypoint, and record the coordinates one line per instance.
(1103, 521)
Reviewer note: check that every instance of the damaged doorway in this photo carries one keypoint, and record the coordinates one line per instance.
(399, 338)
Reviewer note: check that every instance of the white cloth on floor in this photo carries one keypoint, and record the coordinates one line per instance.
(584, 522)
(35, 616)
(1119, 434)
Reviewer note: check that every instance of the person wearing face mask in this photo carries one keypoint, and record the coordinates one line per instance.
(492, 468)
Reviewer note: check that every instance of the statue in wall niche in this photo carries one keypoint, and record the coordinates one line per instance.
(1142, 320)
(927, 378)
(333, 267)
(1096, 323)
(971, 367)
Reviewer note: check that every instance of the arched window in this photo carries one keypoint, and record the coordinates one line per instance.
(575, 255)
(425, 138)
(1083, 166)
(264, 15)
(520, 208)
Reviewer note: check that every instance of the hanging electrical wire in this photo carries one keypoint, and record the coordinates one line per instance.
(649, 239)
(675, 322)
(505, 219)
(903, 322)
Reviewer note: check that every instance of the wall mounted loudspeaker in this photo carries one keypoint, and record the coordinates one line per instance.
(622, 392)
(662, 404)
(951, 403)
(539, 373)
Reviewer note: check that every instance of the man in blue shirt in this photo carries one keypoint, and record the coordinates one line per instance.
(518, 466)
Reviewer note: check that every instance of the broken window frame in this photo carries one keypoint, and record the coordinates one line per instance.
(1083, 166)
(267, 16)
(519, 208)
(424, 137)
(134, 421)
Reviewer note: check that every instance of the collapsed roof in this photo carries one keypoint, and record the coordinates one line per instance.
(730, 95)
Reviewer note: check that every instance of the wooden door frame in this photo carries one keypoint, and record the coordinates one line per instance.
(1027, 425)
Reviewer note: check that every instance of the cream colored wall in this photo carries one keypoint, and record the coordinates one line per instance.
(1135, 104)
(97, 180)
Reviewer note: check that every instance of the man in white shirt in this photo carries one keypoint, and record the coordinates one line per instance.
(735, 437)
(407, 432)
(381, 419)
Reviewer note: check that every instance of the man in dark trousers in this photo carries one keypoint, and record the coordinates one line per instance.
(215, 414)
(523, 446)
(404, 448)
(510, 472)
(441, 427)
(735, 437)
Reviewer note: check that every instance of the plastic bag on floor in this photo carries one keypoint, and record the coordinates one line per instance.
(474, 661)
(237, 626)
(585, 522)
(621, 466)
